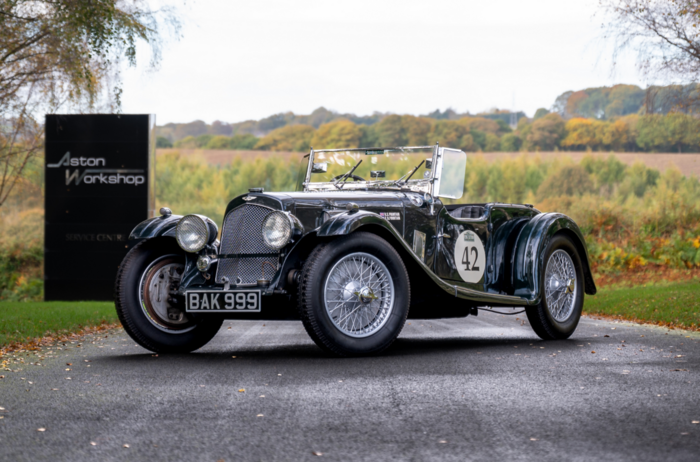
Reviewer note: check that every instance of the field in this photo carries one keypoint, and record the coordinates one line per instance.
(689, 164)
(640, 223)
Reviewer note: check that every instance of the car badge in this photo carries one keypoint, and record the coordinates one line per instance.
(249, 198)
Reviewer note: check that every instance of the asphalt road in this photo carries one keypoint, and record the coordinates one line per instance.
(481, 388)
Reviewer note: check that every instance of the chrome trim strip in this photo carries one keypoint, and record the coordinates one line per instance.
(396, 148)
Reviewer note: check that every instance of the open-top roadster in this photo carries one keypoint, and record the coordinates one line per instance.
(372, 236)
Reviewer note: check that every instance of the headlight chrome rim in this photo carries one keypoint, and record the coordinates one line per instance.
(192, 233)
(277, 229)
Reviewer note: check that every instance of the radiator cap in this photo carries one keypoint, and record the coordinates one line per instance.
(256, 190)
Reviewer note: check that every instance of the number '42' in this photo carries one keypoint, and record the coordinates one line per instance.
(465, 258)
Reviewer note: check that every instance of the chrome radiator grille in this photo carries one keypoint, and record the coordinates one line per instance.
(241, 238)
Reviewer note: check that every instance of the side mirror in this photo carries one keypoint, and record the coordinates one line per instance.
(428, 163)
(319, 167)
(377, 173)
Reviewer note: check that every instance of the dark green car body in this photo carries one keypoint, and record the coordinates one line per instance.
(514, 238)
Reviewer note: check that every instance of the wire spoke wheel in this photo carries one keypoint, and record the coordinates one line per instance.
(560, 285)
(359, 294)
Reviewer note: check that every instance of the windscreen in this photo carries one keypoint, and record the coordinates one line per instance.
(372, 165)
(453, 165)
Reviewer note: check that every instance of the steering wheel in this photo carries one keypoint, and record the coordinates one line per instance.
(354, 177)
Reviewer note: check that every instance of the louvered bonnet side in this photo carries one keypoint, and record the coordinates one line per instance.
(243, 256)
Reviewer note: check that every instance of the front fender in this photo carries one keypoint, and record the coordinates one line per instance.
(528, 257)
(155, 227)
(346, 223)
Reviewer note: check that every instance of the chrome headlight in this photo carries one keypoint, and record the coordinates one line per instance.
(192, 233)
(277, 230)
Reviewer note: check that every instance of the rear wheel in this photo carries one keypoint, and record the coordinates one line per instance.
(148, 306)
(354, 295)
(561, 283)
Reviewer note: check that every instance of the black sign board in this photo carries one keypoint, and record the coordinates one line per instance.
(99, 173)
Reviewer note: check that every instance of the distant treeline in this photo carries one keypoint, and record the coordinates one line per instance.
(599, 103)
(546, 131)
(605, 103)
(172, 132)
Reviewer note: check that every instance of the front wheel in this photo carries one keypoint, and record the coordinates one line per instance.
(148, 306)
(561, 283)
(354, 295)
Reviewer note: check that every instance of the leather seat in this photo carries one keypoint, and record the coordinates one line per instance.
(468, 211)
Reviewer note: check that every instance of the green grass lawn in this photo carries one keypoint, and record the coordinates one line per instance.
(676, 304)
(20, 321)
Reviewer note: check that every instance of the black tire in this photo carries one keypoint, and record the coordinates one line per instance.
(313, 313)
(140, 320)
(540, 317)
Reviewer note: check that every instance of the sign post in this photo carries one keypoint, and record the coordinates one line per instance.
(99, 174)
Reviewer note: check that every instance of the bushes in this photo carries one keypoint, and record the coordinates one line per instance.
(21, 273)
(190, 185)
(569, 180)
(632, 216)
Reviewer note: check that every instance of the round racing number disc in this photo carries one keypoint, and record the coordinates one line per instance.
(470, 257)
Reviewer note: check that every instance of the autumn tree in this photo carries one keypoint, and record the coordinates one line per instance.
(546, 133)
(243, 141)
(539, 113)
(618, 134)
(338, 134)
(510, 142)
(583, 133)
(451, 133)
(665, 35)
(651, 132)
(287, 138)
(481, 124)
(64, 53)
(682, 131)
(673, 131)
(391, 131)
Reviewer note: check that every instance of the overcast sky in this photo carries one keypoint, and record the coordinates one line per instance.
(240, 60)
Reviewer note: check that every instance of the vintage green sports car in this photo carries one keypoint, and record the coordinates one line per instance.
(371, 236)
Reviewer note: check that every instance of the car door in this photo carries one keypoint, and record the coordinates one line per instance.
(462, 244)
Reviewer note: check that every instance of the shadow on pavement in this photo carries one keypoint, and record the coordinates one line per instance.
(406, 347)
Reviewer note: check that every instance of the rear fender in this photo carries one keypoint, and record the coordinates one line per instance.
(528, 257)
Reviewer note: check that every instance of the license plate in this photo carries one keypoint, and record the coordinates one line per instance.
(247, 301)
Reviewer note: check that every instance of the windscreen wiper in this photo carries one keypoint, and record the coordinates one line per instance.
(346, 176)
(398, 182)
